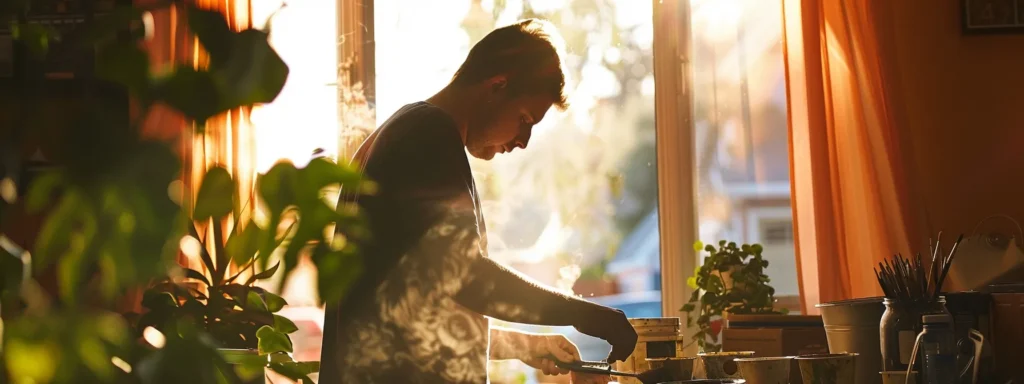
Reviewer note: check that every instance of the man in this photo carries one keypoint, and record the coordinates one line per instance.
(418, 313)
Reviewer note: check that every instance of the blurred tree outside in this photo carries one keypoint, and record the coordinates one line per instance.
(591, 172)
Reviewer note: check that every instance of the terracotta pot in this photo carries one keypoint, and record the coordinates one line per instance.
(765, 370)
(837, 368)
(595, 287)
(721, 365)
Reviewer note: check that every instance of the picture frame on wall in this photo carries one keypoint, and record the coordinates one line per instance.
(992, 16)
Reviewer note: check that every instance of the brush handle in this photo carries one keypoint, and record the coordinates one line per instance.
(593, 367)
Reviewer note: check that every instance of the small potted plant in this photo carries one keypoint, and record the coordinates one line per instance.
(731, 280)
(594, 281)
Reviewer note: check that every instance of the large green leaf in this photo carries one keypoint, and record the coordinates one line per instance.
(274, 302)
(213, 32)
(272, 341)
(54, 236)
(194, 274)
(321, 172)
(253, 301)
(204, 254)
(277, 186)
(264, 275)
(191, 358)
(41, 190)
(157, 300)
(284, 325)
(125, 64)
(337, 271)
(296, 370)
(242, 247)
(253, 73)
(216, 197)
(193, 93)
(64, 346)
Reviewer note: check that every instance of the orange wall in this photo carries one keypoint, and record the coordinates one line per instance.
(964, 115)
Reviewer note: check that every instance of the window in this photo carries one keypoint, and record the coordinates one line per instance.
(727, 55)
(741, 147)
(579, 209)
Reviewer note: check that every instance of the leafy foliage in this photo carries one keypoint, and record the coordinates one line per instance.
(732, 280)
(110, 223)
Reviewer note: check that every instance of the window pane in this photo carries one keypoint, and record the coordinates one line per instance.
(578, 207)
(304, 116)
(742, 144)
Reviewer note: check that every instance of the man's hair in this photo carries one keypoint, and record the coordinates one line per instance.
(528, 52)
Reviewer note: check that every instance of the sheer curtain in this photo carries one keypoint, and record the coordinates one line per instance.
(851, 193)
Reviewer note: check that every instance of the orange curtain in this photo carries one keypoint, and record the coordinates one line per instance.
(851, 195)
(229, 139)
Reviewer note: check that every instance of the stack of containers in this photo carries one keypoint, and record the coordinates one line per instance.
(656, 337)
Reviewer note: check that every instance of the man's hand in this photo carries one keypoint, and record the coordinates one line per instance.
(542, 349)
(611, 325)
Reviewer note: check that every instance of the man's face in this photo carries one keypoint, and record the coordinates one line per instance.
(504, 123)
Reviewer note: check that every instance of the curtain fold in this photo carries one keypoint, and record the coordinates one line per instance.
(852, 203)
(228, 139)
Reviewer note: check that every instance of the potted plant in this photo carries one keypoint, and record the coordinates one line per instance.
(594, 281)
(110, 225)
(731, 280)
(223, 301)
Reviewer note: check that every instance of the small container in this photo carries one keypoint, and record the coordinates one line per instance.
(721, 365)
(657, 337)
(679, 368)
(898, 328)
(834, 368)
(765, 370)
(938, 350)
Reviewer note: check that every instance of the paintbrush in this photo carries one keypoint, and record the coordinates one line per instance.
(946, 264)
(935, 267)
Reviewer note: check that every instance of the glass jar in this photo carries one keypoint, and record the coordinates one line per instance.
(899, 327)
(938, 350)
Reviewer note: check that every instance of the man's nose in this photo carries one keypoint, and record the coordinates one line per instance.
(523, 140)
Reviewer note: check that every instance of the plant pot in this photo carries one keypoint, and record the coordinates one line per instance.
(722, 365)
(853, 326)
(835, 368)
(595, 287)
(765, 370)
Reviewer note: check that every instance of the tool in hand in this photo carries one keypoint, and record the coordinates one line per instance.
(657, 375)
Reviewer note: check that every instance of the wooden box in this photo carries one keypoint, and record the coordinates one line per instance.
(785, 339)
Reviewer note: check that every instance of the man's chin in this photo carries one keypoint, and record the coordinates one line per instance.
(483, 155)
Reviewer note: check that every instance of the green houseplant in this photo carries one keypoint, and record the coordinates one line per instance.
(730, 280)
(239, 316)
(109, 224)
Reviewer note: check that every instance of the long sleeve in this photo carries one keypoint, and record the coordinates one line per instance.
(503, 293)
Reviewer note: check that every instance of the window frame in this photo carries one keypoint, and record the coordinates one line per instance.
(674, 138)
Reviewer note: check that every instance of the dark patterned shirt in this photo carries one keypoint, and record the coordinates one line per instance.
(400, 323)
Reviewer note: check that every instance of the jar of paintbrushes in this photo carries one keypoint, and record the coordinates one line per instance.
(911, 291)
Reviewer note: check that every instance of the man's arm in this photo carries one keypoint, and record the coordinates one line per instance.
(502, 293)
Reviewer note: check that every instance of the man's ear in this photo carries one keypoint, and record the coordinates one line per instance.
(497, 84)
